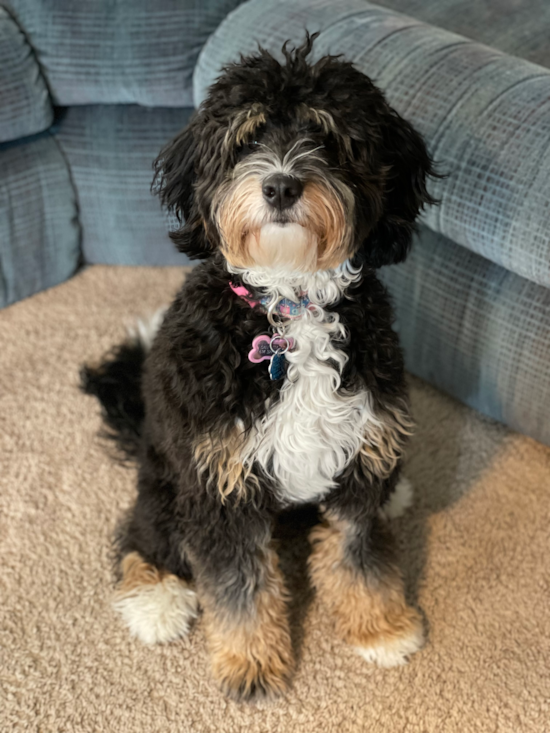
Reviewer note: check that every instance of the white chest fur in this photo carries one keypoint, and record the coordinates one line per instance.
(308, 437)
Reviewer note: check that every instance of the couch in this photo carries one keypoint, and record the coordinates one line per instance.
(89, 92)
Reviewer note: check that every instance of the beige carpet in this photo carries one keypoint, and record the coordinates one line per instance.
(475, 545)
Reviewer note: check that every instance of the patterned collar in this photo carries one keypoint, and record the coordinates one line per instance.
(285, 307)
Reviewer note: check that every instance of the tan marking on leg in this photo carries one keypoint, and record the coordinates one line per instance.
(136, 573)
(156, 605)
(370, 612)
(385, 443)
(251, 654)
(220, 461)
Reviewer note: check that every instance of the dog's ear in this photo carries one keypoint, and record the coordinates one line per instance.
(174, 182)
(408, 167)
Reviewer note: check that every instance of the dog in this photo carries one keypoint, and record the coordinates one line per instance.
(274, 379)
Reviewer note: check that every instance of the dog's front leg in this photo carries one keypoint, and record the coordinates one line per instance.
(353, 569)
(243, 596)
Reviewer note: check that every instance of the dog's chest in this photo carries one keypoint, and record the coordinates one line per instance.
(315, 429)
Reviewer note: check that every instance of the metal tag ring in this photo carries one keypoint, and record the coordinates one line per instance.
(279, 351)
(274, 319)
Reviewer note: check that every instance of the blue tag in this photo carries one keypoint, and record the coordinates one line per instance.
(277, 366)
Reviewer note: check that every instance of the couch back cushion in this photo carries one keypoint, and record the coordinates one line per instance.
(25, 106)
(110, 150)
(120, 51)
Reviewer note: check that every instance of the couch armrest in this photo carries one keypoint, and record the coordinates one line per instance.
(119, 52)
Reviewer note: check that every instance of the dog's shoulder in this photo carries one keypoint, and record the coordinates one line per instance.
(199, 354)
(206, 315)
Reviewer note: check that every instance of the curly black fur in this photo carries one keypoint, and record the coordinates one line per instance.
(197, 380)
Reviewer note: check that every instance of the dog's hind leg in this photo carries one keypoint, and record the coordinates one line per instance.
(156, 605)
(155, 595)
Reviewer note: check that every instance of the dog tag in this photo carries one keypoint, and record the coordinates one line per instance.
(261, 349)
(277, 366)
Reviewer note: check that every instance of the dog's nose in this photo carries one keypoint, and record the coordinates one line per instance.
(281, 191)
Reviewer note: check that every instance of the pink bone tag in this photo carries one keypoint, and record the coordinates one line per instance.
(264, 346)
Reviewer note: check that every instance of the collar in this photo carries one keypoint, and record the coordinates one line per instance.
(285, 307)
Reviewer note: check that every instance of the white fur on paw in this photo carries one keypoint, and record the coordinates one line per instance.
(144, 330)
(158, 613)
(399, 501)
(395, 652)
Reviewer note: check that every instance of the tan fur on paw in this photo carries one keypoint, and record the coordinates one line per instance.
(156, 605)
(251, 653)
(253, 672)
(370, 612)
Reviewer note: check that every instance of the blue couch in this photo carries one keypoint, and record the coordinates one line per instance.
(89, 92)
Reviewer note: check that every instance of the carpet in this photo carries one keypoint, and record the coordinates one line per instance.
(475, 548)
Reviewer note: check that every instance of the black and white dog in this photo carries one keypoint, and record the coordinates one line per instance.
(275, 378)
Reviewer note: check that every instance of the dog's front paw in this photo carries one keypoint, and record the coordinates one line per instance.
(251, 652)
(393, 645)
(369, 607)
(252, 674)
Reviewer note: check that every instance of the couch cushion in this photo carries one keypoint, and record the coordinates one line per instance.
(110, 151)
(475, 330)
(39, 232)
(120, 51)
(517, 27)
(25, 107)
(485, 115)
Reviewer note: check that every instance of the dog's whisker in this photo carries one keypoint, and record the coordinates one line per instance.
(307, 153)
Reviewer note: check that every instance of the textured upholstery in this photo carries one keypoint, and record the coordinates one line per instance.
(39, 230)
(486, 116)
(119, 51)
(25, 107)
(477, 326)
(110, 150)
(476, 331)
(518, 27)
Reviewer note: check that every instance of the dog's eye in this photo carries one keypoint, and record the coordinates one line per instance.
(249, 147)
